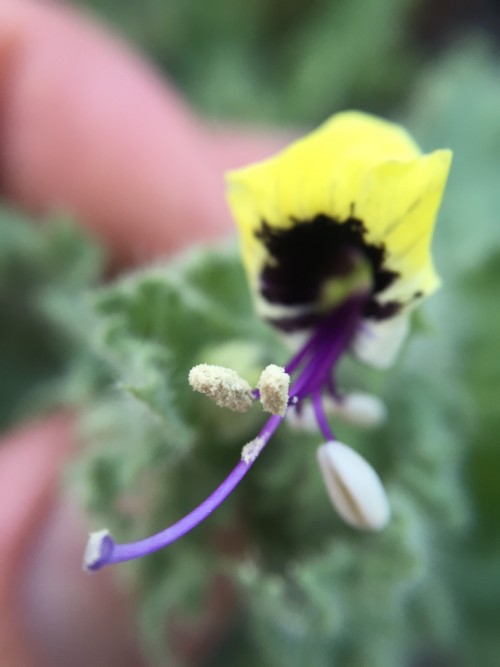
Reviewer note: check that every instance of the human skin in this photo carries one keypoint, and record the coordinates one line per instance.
(87, 126)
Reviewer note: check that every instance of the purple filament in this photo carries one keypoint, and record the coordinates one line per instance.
(123, 552)
(317, 357)
(321, 417)
(330, 341)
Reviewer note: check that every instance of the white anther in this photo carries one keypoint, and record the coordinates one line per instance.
(223, 385)
(354, 487)
(97, 544)
(252, 449)
(273, 386)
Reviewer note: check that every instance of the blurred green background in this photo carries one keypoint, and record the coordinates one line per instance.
(425, 594)
(285, 61)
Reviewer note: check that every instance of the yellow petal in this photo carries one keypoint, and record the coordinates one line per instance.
(355, 166)
(400, 204)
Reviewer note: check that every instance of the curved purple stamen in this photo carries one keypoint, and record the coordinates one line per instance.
(317, 357)
(117, 553)
(321, 417)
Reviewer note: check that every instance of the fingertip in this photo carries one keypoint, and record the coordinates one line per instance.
(89, 127)
(31, 459)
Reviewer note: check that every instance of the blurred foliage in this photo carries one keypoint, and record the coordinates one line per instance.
(287, 61)
(276, 61)
(42, 270)
(307, 589)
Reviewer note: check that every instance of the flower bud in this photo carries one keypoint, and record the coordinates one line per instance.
(354, 487)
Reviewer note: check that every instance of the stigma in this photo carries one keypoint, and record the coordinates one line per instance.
(305, 389)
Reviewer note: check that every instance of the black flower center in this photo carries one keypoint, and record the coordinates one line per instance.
(304, 257)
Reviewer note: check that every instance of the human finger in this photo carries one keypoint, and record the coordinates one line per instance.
(89, 127)
(52, 613)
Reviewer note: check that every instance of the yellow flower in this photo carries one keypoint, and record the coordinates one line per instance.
(336, 234)
(357, 190)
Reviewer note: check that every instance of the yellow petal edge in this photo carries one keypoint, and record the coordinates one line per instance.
(354, 165)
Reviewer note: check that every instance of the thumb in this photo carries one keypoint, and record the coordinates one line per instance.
(87, 126)
(52, 613)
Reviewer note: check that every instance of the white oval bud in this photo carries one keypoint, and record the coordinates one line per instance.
(354, 487)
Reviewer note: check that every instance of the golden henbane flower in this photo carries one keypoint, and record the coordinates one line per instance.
(336, 235)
